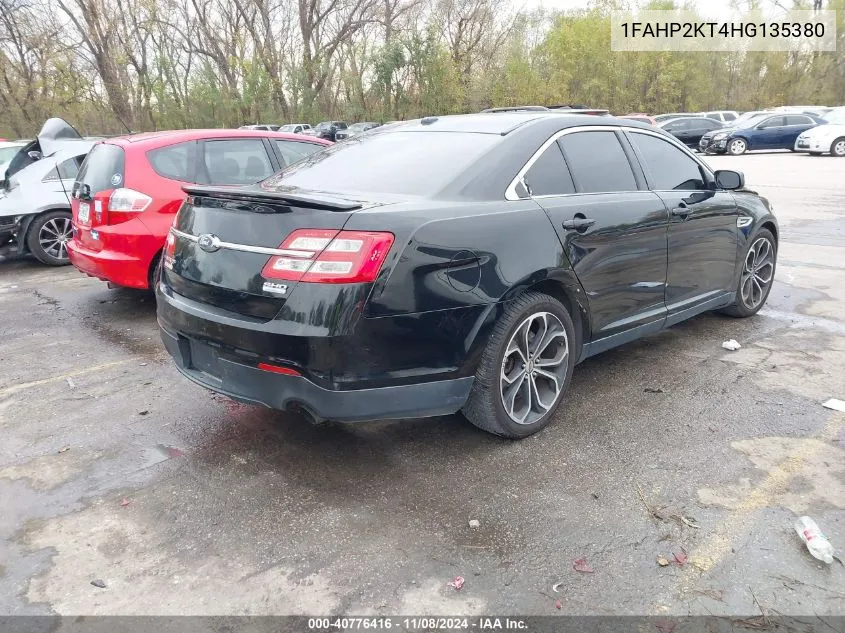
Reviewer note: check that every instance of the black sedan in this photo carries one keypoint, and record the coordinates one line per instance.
(460, 263)
(689, 130)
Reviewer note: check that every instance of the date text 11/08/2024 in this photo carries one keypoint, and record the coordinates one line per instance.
(421, 623)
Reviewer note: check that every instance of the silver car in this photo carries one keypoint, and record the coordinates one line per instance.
(35, 194)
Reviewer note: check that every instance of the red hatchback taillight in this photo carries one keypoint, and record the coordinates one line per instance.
(114, 206)
(330, 256)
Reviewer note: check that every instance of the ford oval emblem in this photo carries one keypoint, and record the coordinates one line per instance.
(208, 242)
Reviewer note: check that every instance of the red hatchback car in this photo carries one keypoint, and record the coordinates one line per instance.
(130, 187)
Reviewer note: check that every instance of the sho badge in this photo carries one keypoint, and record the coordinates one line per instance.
(274, 288)
(209, 243)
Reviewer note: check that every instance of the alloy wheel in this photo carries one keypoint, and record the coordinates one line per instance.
(737, 147)
(757, 273)
(534, 368)
(54, 236)
(839, 148)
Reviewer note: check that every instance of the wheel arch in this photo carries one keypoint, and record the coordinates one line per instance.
(772, 228)
(152, 266)
(577, 311)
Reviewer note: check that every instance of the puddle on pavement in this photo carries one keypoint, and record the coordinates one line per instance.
(159, 453)
(818, 481)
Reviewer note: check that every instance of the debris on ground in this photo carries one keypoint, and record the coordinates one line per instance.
(582, 566)
(731, 345)
(680, 559)
(124, 503)
(556, 587)
(815, 540)
(836, 405)
(144, 412)
(595, 495)
(64, 449)
(474, 524)
(652, 390)
(665, 513)
(142, 364)
(70, 382)
(457, 582)
(558, 604)
(99, 583)
(662, 561)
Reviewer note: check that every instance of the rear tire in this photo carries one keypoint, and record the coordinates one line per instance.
(48, 236)
(837, 148)
(537, 329)
(756, 277)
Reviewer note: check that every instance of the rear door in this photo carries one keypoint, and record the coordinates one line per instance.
(768, 133)
(703, 233)
(795, 125)
(613, 233)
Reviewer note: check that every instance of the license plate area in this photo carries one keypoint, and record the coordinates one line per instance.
(205, 359)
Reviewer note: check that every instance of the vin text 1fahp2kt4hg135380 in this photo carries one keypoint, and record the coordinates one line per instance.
(462, 263)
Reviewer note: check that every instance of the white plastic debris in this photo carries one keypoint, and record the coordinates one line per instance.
(474, 524)
(731, 345)
(816, 542)
(836, 405)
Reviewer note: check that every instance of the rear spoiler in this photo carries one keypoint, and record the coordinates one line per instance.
(310, 199)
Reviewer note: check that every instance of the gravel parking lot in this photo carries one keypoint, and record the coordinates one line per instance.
(114, 467)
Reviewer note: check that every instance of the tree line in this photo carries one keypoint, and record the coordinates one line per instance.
(109, 67)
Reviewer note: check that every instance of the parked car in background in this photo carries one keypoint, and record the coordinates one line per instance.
(725, 116)
(455, 263)
(8, 149)
(825, 139)
(765, 131)
(130, 187)
(326, 130)
(642, 118)
(35, 205)
(689, 130)
(295, 128)
(262, 127)
(660, 118)
(355, 129)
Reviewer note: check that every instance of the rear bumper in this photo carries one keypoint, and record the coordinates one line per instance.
(212, 367)
(121, 269)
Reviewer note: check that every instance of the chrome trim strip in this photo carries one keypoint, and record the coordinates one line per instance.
(245, 248)
(510, 192)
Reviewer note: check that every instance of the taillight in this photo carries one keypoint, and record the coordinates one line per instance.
(169, 251)
(125, 204)
(330, 256)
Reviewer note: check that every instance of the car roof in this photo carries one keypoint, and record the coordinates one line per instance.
(503, 123)
(157, 139)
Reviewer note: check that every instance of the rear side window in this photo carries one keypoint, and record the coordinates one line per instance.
(729, 116)
(798, 120)
(176, 162)
(669, 167)
(713, 115)
(242, 161)
(66, 170)
(293, 151)
(102, 169)
(597, 162)
(411, 163)
(549, 176)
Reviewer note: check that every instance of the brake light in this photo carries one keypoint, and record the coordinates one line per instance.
(128, 201)
(169, 251)
(330, 256)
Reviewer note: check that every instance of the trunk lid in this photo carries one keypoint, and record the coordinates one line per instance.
(222, 240)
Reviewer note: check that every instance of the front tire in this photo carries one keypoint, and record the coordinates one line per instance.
(756, 277)
(737, 147)
(837, 148)
(48, 236)
(525, 369)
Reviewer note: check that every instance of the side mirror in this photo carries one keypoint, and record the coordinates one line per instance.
(729, 179)
(35, 155)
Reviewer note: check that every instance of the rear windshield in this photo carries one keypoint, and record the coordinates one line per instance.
(103, 169)
(413, 163)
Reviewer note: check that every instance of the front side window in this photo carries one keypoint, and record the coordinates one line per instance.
(669, 167)
(549, 176)
(293, 151)
(241, 161)
(775, 121)
(597, 162)
(175, 162)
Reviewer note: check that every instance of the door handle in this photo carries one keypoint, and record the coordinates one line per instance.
(682, 210)
(578, 223)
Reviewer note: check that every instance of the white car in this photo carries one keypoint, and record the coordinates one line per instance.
(8, 149)
(35, 195)
(295, 128)
(828, 138)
